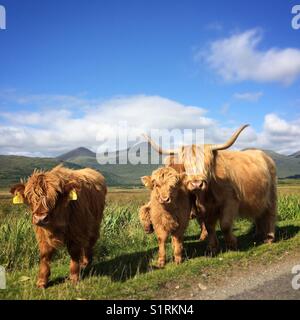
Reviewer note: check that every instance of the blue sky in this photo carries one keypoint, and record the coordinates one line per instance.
(75, 64)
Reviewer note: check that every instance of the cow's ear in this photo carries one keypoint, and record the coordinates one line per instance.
(71, 190)
(18, 192)
(147, 182)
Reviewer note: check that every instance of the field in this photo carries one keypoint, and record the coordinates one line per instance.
(124, 263)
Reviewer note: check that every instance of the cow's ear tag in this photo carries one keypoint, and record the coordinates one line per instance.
(18, 198)
(73, 195)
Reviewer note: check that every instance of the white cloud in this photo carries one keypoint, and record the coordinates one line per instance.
(54, 131)
(248, 96)
(238, 58)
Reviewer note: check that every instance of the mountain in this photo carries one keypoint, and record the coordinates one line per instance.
(79, 152)
(115, 166)
(128, 174)
(122, 174)
(295, 155)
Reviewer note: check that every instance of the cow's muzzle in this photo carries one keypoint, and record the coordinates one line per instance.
(198, 184)
(164, 200)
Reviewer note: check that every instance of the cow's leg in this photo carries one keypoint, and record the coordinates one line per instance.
(87, 255)
(85, 258)
(270, 221)
(145, 219)
(271, 213)
(75, 252)
(226, 223)
(46, 253)
(200, 217)
(162, 238)
(204, 232)
(213, 243)
(259, 229)
(177, 244)
(265, 226)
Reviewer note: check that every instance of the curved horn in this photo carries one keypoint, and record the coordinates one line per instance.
(231, 141)
(157, 148)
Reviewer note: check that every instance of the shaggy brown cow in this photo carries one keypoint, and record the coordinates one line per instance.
(169, 210)
(195, 212)
(198, 210)
(67, 208)
(228, 184)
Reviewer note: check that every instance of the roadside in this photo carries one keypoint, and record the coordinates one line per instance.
(252, 282)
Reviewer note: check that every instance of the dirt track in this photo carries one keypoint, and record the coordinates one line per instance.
(253, 283)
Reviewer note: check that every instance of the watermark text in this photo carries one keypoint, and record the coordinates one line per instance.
(2, 18)
(296, 18)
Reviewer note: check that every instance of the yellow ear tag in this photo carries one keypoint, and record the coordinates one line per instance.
(73, 195)
(18, 198)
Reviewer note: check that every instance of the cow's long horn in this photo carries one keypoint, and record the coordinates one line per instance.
(157, 148)
(231, 141)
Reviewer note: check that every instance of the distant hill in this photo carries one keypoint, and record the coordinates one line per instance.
(295, 155)
(12, 168)
(79, 152)
(122, 173)
(287, 166)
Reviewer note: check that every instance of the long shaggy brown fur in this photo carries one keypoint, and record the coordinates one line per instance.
(71, 223)
(169, 210)
(228, 184)
(239, 183)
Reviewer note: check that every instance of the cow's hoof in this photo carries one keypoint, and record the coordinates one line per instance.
(178, 260)
(211, 251)
(74, 279)
(269, 240)
(231, 246)
(41, 284)
(161, 264)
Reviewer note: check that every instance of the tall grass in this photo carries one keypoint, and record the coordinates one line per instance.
(121, 233)
(288, 207)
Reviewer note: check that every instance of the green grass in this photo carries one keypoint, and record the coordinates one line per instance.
(124, 263)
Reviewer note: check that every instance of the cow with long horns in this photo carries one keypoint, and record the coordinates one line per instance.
(228, 184)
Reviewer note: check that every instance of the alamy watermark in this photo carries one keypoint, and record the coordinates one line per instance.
(296, 18)
(127, 145)
(2, 18)
(296, 278)
(2, 278)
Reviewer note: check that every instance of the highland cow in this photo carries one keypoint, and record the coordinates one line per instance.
(66, 209)
(168, 210)
(228, 184)
(197, 212)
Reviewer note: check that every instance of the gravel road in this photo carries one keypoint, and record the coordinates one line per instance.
(255, 282)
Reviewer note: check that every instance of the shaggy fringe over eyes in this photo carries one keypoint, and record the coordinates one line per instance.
(166, 174)
(198, 161)
(41, 189)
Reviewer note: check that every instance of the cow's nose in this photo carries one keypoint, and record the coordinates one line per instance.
(165, 200)
(197, 184)
(40, 220)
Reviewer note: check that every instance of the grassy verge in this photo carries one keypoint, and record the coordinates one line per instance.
(124, 264)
